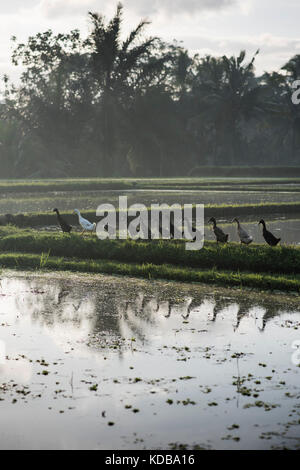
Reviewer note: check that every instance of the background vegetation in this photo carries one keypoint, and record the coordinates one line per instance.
(107, 106)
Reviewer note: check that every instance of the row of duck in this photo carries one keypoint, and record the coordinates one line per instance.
(243, 235)
(221, 236)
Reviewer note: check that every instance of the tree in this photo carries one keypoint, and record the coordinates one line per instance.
(283, 116)
(54, 99)
(228, 93)
(119, 68)
(108, 106)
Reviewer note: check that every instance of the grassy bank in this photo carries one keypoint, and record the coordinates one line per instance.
(231, 257)
(205, 178)
(152, 271)
(43, 219)
(80, 184)
(247, 171)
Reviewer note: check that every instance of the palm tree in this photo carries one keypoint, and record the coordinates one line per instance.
(292, 69)
(118, 66)
(229, 93)
(283, 114)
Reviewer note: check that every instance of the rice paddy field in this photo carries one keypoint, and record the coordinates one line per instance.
(41, 197)
(123, 344)
(276, 199)
(114, 363)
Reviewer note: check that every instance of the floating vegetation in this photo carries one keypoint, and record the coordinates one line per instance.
(81, 331)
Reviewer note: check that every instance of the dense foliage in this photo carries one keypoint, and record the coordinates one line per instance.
(107, 106)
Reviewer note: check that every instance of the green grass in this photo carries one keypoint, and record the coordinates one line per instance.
(80, 184)
(42, 219)
(152, 271)
(231, 256)
(206, 177)
(247, 171)
(255, 266)
(237, 210)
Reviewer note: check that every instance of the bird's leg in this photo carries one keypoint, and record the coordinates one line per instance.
(82, 232)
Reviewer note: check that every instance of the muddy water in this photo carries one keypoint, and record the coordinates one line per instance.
(104, 362)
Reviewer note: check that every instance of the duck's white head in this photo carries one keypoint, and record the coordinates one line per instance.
(77, 211)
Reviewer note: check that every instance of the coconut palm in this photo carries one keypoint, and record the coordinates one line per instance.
(118, 65)
(283, 116)
(229, 94)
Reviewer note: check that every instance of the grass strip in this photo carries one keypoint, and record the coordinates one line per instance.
(42, 219)
(151, 271)
(204, 176)
(231, 256)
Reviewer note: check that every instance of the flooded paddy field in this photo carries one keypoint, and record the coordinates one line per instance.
(119, 363)
(90, 200)
(185, 183)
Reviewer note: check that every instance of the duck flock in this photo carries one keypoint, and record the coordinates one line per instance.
(244, 237)
(221, 237)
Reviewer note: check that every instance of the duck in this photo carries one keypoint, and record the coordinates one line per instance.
(268, 236)
(220, 235)
(64, 225)
(85, 224)
(245, 238)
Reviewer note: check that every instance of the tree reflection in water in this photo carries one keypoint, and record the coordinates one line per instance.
(120, 309)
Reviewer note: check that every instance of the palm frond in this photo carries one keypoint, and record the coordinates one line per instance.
(134, 35)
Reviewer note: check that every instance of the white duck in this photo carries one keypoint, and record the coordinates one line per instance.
(85, 224)
(244, 236)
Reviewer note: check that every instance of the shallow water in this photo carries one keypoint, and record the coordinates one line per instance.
(104, 362)
(90, 200)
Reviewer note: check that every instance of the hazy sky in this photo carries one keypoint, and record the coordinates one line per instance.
(204, 26)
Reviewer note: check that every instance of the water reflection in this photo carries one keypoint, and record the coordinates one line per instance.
(115, 345)
(125, 310)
